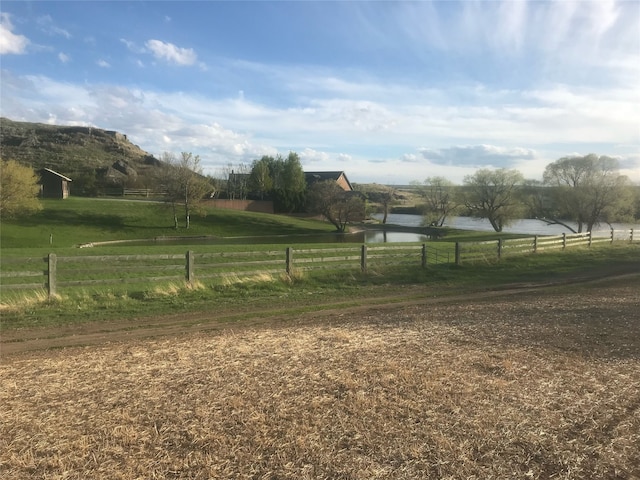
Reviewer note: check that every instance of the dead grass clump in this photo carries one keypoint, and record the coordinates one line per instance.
(294, 276)
(22, 301)
(530, 387)
(246, 280)
(167, 290)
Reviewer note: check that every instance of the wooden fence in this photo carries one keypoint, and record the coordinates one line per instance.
(142, 270)
(490, 250)
(103, 270)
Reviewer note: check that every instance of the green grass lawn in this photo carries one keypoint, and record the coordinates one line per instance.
(74, 221)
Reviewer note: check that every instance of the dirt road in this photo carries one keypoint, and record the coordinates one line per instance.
(29, 340)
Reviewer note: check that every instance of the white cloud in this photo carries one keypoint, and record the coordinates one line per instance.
(309, 156)
(10, 43)
(171, 53)
(103, 63)
(63, 57)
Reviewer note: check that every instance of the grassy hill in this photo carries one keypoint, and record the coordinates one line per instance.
(78, 220)
(92, 157)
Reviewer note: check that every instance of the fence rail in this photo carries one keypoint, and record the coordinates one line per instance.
(492, 249)
(55, 272)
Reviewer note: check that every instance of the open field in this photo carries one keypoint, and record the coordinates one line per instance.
(540, 383)
(75, 221)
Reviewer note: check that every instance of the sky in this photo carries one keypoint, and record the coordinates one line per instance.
(389, 92)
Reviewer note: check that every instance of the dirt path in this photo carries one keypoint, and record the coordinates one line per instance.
(22, 341)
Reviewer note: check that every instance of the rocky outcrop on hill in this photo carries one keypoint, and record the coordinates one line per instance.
(89, 154)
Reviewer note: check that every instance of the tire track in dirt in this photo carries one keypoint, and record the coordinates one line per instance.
(22, 341)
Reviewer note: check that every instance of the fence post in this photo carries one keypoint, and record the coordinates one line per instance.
(289, 259)
(189, 267)
(590, 238)
(564, 240)
(535, 243)
(363, 258)
(52, 263)
(631, 236)
(612, 236)
(457, 257)
(499, 248)
(424, 255)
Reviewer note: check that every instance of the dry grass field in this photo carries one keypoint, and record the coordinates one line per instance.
(543, 384)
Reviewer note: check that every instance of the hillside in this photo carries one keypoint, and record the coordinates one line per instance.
(90, 156)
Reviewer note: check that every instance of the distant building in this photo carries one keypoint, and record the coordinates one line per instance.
(339, 177)
(53, 184)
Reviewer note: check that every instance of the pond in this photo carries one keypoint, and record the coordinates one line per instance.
(522, 226)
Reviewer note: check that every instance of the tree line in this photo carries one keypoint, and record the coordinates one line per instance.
(587, 190)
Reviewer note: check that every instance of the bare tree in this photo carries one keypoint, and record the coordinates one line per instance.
(382, 196)
(237, 181)
(184, 183)
(337, 205)
(440, 200)
(492, 194)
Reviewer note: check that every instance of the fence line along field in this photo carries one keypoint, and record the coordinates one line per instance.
(27, 273)
(542, 384)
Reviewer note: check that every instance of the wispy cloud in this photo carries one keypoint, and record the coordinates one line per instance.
(419, 88)
(132, 46)
(11, 43)
(63, 57)
(47, 25)
(171, 53)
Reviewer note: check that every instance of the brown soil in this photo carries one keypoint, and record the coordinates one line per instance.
(532, 381)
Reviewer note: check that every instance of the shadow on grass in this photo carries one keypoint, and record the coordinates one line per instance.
(75, 219)
(225, 223)
(68, 218)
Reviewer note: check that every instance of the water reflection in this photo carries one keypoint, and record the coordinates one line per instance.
(521, 226)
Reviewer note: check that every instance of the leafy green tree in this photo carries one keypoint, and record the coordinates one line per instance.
(492, 194)
(587, 190)
(19, 190)
(338, 206)
(439, 195)
(260, 181)
(288, 184)
(276, 167)
(85, 183)
(292, 194)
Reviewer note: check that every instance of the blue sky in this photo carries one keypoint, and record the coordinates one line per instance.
(389, 92)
